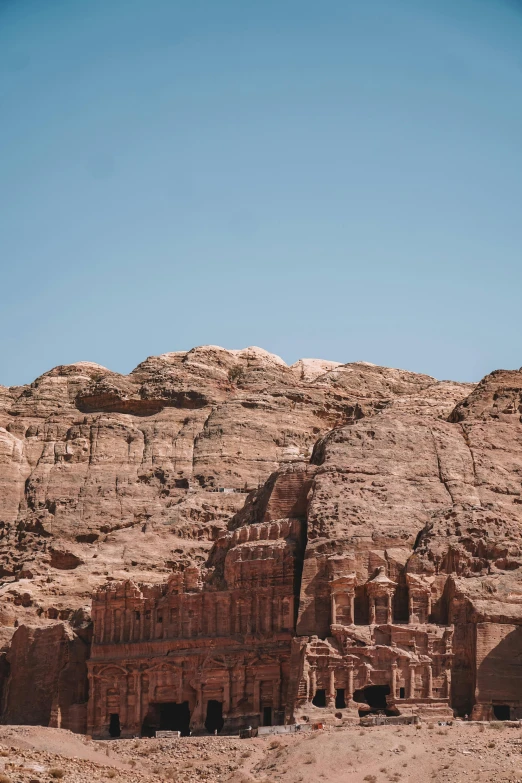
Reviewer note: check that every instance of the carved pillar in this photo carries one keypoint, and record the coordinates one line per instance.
(124, 691)
(351, 605)
(389, 609)
(91, 706)
(313, 683)
(331, 690)
(113, 625)
(372, 610)
(253, 613)
(198, 709)
(132, 622)
(429, 694)
(276, 694)
(394, 680)
(142, 624)
(334, 608)
(101, 614)
(349, 695)
(226, 693)
(137, 706)
(410, 608)
(257, 695)
(181, 604)
(268, 619)
(237, 624)
(411, 692)
(448, 682)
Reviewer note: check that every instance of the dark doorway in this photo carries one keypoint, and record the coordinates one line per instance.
(361, 606)
(114, 725)
(502, 711)
(340, 702)
(400, 602)
(175, 717)
(402, 693)
(319, 699)
(375, 697)
(267, 716)
(214, 720)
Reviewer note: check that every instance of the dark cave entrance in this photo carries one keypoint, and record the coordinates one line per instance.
(267, 716)
(114, 725)
(175, 717)
(502, 711)
(319, 699)
(214, 720)
(375, 697)
(340, 701)
(167, 716)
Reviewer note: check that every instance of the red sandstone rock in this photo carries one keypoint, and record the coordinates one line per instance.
(409, 508)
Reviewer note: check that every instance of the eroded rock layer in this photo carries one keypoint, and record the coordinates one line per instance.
(339, 539)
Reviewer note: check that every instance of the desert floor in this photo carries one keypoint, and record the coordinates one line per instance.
(463, 752)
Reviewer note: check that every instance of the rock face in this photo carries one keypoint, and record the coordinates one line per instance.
(343, 538)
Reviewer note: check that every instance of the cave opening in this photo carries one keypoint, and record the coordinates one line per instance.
(375, 697)
(267, 716)
(502, 711)
(214, 720)
(340, 701)
(114, 725)
(167, 716)
(319, 699)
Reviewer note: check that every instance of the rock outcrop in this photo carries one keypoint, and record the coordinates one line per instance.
(403, 494)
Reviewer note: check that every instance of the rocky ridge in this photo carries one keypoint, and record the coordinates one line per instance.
(109, 477)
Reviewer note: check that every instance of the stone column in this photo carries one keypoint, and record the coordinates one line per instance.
(137, 706)
(411, 692)
(394, 680)
(372, 610)
(313, 683)
(180, 616)
(331, 691)
(389, 612)
(410, 608)
(197, 720)
(277, 620)
(448, 682)
(101, 615)
(334, 608)
(351, 605)
(91, 706)
(276, 695)
(142, 624)
(349, 695)
(124, 688)
(257, 695)
(226, 693)
(253, 613)
(429, 695)
(113, 625)
(268, 619)
(132, 621)
(291, 612)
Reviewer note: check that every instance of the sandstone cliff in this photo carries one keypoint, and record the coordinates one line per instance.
(108, 477)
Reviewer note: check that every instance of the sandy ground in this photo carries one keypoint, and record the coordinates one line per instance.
(462, 753)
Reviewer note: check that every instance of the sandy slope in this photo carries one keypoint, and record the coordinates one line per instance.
(461, 753)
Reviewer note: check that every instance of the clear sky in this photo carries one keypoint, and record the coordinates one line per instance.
(336, 179)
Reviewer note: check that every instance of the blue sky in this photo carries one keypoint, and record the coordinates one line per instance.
(328, 179)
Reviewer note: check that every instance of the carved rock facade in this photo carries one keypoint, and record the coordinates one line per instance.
(383, 576)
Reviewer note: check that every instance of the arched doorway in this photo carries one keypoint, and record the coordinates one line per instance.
(374, 696)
